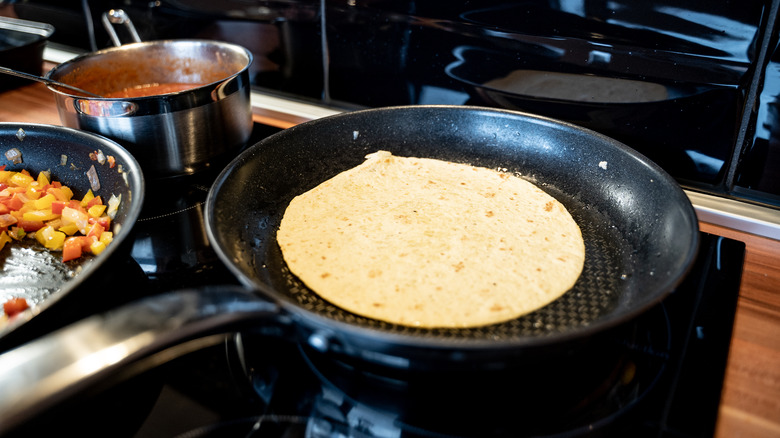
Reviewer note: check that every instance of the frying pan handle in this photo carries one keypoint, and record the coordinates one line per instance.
(119, 343)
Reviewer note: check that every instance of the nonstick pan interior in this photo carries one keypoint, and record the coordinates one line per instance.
(639, 228)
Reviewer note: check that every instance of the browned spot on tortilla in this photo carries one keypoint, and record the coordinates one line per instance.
(403, 218)
(548, 206)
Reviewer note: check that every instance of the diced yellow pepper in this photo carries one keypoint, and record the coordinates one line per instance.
(68, 192)
(39, 215)
(96, 210)
(88, 197)
(39, 236)
(106, 237)
(50, 238)
(4, 239)
(21, 180)
(69, 229)
(6, 175)
(44, 202)
(56, 241)
(97, 247)
(33, 192)
(43, 179)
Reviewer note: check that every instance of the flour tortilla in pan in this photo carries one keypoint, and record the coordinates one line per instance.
(429, 243)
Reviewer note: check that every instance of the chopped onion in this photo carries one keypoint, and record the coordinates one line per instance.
(63, 160)
(94, 182)
(74, 216)
(101, 157)
(13, 155)
(113, 205)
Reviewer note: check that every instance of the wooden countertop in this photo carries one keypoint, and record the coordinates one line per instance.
(750, 402)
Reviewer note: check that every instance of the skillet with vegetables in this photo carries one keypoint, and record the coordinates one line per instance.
(47, 212)
(67, 200)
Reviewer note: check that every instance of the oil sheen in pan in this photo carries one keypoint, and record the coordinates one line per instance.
(595, 293)
(29, 271)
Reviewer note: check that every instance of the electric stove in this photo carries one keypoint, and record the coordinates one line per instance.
(658, 375)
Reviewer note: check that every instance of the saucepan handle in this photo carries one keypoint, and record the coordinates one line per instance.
(124, 341)
(119, 17)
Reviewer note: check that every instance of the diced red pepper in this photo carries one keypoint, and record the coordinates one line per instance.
(14, 306)
(15, 203)
(30, 225)
(95, 230)
(94, 201)
(57, 206)
(71, 249)
(104, 221)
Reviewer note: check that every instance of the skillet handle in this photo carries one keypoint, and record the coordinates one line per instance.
(119, 344)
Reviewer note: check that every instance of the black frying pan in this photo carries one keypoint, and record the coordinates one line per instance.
(640, 232)
(38, 275)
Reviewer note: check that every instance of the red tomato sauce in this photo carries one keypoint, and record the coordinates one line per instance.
(152, 90)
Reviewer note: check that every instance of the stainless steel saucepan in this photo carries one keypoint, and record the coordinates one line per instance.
(169, 134)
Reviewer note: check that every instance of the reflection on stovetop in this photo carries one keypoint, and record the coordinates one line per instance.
(660, 375)
(170, 242)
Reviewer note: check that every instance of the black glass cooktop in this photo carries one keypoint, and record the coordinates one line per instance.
(659, 375)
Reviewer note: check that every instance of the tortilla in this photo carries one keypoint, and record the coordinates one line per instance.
(428, 243)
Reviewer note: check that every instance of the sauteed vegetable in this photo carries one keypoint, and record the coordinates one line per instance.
(47, 211)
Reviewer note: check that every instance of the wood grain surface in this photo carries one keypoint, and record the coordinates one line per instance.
(750, 402)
